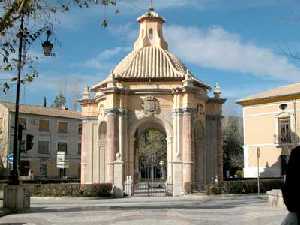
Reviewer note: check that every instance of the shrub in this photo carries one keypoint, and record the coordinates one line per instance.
(97, 190)
(250, 186)
(215, 189)
(55, 190)
(239, 173)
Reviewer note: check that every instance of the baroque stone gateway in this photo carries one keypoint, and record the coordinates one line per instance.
(150, 96)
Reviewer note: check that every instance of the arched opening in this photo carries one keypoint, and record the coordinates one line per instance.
(150, 158)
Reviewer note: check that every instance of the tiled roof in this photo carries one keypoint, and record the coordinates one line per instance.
(150, 62)
(292, 89)
(43, 111)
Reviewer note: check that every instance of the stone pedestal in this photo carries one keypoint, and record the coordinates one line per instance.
(128, 186)
(16, 198)
(177, 179)
(118, 179)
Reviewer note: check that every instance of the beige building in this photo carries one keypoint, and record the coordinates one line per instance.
(151, 89)
(53, 130)
(271, 129)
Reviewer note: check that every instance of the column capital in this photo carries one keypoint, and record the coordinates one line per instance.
(177, 111)
(189, 110)
(116, 111)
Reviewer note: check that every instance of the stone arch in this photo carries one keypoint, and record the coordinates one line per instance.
(148, 122)
(151, 120)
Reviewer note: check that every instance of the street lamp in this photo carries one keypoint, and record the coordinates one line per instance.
(47, 45)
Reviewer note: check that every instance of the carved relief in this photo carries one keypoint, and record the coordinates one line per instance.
(150, 106)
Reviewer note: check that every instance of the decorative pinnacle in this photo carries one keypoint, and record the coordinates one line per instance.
(217, 90)
(86, 92)
(151, 8)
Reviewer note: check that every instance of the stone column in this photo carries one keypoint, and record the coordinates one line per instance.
(187, 150)
(83, 153)
(112, 144)
(219, 149)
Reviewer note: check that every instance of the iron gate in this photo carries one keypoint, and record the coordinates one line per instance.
(151, 177)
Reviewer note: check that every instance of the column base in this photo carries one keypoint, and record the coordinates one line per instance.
(177, 178)
(16, 198)
(118, 190)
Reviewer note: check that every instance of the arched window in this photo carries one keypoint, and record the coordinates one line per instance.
(150, 33)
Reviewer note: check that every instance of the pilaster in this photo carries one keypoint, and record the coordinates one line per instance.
(187, 150)
(112, 143)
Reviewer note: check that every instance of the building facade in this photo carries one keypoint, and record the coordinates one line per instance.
(271, 130)
(52, 131)
(150, 89)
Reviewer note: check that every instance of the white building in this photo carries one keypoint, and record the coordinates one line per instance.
(53, 130)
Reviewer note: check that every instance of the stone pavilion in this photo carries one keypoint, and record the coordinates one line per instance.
(151, 89)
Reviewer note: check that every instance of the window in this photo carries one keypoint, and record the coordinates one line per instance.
(62, 147)
(44, 125)
(43, 147)
(62, 127)
(24, 168)
(79, 148)
(43, 169)
(284, 130)
(150, 33)
(200, 108)
(22, 121)
(80, 129)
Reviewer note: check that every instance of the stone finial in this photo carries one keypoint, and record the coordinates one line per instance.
(86, 92)
(187, 75)
(188, 81)
(112, 79)
(217, 91)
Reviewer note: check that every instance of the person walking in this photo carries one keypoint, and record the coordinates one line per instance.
(291, 189)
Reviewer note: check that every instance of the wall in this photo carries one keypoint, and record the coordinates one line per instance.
(72, 138)
(261, 130)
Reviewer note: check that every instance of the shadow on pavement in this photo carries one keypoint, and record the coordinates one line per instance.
(203, 205)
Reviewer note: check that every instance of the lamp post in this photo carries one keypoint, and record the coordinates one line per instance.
(47, 47)
(16, 197)
(14, 178)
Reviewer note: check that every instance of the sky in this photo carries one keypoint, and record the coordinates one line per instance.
(241, 44)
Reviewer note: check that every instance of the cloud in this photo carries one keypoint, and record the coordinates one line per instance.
(218, 49)
(104, 59)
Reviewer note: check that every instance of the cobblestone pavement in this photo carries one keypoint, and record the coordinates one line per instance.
(233, 210)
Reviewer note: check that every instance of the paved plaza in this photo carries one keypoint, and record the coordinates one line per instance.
(215, 210)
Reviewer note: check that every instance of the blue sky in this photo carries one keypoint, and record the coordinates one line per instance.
(238, 43)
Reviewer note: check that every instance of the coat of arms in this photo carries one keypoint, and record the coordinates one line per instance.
(150, 105)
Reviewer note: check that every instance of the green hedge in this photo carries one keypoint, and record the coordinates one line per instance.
(247, 186)
(71, 190)
(250, 186)
(97, 190)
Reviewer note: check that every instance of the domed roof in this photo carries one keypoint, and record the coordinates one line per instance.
(150, 59)
(150, 62)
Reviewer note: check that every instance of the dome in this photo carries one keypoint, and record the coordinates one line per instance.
(150, 59)
(150, 62)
